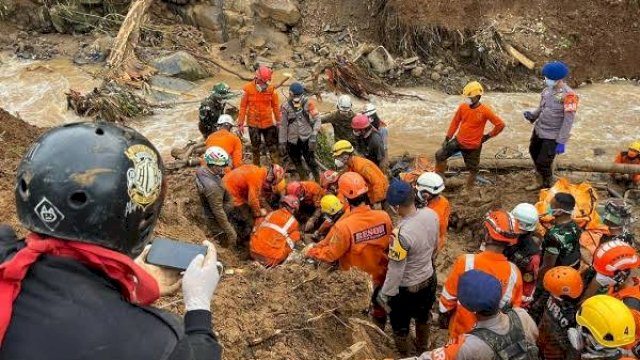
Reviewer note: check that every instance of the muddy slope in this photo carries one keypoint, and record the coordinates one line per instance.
(597, 38)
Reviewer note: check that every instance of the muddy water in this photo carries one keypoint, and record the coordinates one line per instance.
(608, 115)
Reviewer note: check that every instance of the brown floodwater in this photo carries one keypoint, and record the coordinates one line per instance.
(608, 115)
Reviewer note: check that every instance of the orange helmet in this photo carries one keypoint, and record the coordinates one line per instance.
(276, 174)
(328, 177)
(614, 256)
(502, 226)
(563, 281)
(296, 189)
(352, 185)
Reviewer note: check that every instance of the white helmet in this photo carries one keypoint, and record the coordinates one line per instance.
(369, 109)
(527, 216)
(344, 103)
(216, 155)
(225, 119)
(429, 182)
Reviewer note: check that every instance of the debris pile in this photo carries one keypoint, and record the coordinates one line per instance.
(110, 102)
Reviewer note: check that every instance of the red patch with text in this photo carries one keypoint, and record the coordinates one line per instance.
(372, 233)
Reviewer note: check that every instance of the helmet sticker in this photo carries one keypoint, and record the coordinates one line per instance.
(48, 214)
(144, 179)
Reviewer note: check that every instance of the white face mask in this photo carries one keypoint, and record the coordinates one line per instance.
(339, 163)
(604, 280)
(483, 246)
(550, 83)
(468, 101)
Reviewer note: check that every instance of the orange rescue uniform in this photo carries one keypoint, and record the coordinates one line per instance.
(313, 192)
(274, 238)
(244, 184)
(441, 206)
(229, 142)
(622, 158)
(469, 124)
(359, 239)
(491, 263)
(630, 295)
(372, 174)
(259, 109)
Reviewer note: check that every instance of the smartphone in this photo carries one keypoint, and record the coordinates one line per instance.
(173, 254)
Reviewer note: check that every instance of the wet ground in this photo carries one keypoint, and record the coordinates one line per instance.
(608, 115)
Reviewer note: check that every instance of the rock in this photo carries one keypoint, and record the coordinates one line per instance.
(301, 74)
(241, 6)
(417, 72)
(435, 76)
(324, 51)
(445, 72)
(284, 11)
(210, 21)
(96, 52)
(439, 67)
(465, 53)
(380, 60)
(172, 84)
(181, 65)
(255, 41)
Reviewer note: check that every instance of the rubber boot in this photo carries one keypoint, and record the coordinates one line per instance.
(255, 151)
(422, 337)
(402, 345)
(471, 182)
(536, 185)
(316, 174)
(441, 167)
(380, 321)
(547, 182)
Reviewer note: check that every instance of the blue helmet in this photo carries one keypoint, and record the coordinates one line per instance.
(399, 192)
(296, 88)
(555, 70)
(479, 292)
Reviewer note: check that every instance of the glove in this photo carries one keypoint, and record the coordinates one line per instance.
(312, 146)
(485, 137)
(200, 280)
(560, 149)
(444, 319)
(383, 300)
(529, 116)
(283, 149)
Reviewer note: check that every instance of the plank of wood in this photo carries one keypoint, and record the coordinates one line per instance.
(528, 63)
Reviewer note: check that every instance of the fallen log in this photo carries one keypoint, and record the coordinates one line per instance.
(128, 34)
(352, 350)
(527, 164)
(522, 59)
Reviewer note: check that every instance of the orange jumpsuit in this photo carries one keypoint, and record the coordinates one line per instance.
(372, 174)
(229, 142)
(491, 263)
(630, 295)
(274, 238)
(244, 184)
(259, 109)
(359, 239)
(441, 206)
(622, 158)
(313, 192)
(468, 125)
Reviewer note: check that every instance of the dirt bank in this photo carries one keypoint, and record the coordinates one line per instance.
(598, 39)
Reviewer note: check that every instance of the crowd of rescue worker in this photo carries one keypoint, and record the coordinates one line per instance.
(71, 289)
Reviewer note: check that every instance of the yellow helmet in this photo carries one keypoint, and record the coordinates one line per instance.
(472, 89)
(341, 147)
(281, 187)
(608, 319)
(330, 204)
(635, 146)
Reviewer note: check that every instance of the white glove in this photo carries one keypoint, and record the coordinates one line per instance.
(604, 280)
(200, 280)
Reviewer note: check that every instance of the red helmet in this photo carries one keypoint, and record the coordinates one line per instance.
(263, 74)
(328, 177)
(360, 122)
(291, 202)
(296, 189)
(502, 226)
(614, 256)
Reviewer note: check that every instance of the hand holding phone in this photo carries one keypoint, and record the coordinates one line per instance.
(169, 280)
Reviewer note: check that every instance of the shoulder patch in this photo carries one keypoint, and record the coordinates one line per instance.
(571, 102)
(396, 251)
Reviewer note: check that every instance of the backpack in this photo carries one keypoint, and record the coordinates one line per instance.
(511, 346)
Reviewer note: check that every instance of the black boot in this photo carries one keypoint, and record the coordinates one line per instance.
(422, 337)
(402, 345)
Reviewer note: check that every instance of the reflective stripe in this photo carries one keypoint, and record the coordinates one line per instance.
(469, 262)
(441, 307)
(284, 231)
(446, 295)
(508, 293)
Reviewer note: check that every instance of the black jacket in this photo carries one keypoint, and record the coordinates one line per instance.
(66, 311)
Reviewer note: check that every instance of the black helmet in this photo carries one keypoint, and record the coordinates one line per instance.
(98, 183)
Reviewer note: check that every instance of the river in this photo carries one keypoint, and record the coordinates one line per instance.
(608, 115)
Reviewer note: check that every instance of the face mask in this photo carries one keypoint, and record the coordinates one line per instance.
(262, 86)
(575, 338)
(357, 133)
(339, 163)
(604, 280)
(468, 101)
(483, 246)
(550, 83)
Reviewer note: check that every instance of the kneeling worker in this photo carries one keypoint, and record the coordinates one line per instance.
(359, 240)
(410, 286)
(276, 235)
(377, 183)
(216, 201)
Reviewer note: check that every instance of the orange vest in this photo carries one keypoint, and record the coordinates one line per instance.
(372, 174)
(229, 142)
(244, 184)
(441, 206)
(359, 239)
(490, 263)
(631, 292)
(274, 238)
(313, 192)
(260, 109)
